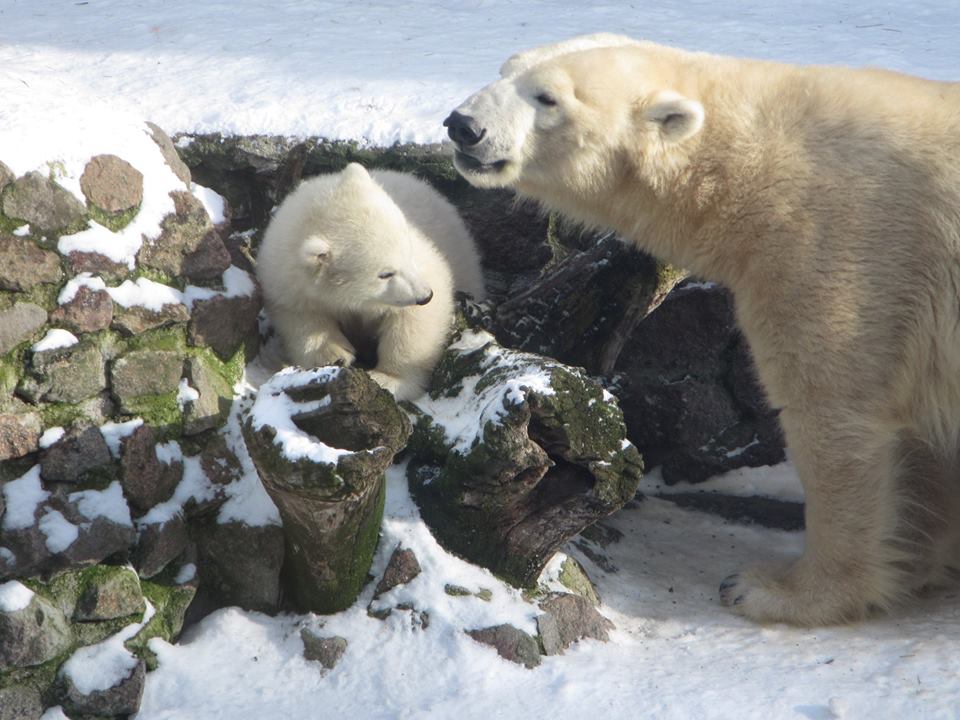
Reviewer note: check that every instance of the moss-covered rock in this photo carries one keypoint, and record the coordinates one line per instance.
(513, 454)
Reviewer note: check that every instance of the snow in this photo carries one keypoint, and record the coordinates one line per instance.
(145, 293)
(114, 433)
(108, 503)
(385, 73)
(60, 533)
(274, 408)
(212, 202)
(22, 498)
(14, 596)
(193, 486)
(69, 291)
(55, 339)
(169, 452)
(50, 437)
(676, 652)
(186, 393)
(78, 79)
(464, 416)
(247, 501)
(779, 482)
(106, 664)
(236, 283)
(187, 573)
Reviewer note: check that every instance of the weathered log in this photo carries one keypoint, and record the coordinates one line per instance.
(584, 309)
(321, 441)
(514, 454)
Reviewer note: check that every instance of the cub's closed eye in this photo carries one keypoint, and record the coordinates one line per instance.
(386, 275)
(546, 99)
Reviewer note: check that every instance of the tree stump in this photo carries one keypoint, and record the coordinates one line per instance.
(514, 454)
(321, 441)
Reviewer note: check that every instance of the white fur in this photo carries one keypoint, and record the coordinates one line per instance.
(357, 260)
(828, 201)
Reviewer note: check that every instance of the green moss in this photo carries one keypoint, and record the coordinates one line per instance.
(8, 225)
(11, 369)
(42, 294)
(165, 338)
(160, 411)
(112, 221)
(60, 414)
(230, 371)
(170, 603)
(456, 590)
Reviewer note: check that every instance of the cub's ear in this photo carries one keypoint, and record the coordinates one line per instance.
(315, 251)
(676, 117)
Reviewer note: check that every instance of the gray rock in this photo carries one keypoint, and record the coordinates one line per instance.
(28, 552)
(23, 265)
(121, 699)
(112, 184)
(80, 452)
(145, 372)
(137, 319)
(19, 323)
(402, 567)
(33, 635)
(218, 461)
(98, 538)
(567, 618)
(89, 311)
(510, 643)
(6, 176)
(43, 203)
(158, 544)
(67, 375)
(331, 512)
(146, 480)
(169, 153)
(19, 434)
(20, 702)
(181, 235)
(238, 564)
(575, 579)
(208, 260)
(111, 592)
(216, 396)
(97, 264)
(225, 324)
(325, 650)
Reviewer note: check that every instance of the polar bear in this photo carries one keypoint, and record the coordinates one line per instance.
(362, 267)
(828, 201)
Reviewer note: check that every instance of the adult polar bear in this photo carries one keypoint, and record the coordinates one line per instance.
(828, 201)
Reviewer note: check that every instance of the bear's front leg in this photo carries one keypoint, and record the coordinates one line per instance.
(314, 342)
(410, 344)
(853, 562)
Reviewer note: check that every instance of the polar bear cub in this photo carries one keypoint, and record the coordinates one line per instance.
(361, 267)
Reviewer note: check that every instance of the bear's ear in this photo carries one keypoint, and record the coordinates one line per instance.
(315, 251)
(676, 117)
(355, 172)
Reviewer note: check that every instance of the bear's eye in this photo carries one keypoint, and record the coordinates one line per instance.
(546, 99)
(386, 275)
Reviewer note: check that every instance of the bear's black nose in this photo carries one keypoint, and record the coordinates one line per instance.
(463, 129)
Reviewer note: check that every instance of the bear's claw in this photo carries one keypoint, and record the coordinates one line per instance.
(727, 588)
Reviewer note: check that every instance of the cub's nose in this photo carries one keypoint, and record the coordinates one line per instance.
(425, 300)
(463, 129)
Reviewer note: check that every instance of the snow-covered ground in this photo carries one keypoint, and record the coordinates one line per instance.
(382, 72)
